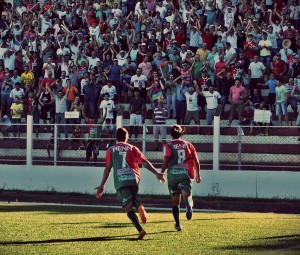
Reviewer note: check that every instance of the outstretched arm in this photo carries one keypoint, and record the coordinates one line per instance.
(197, 170)
(100, 189)
(160, 176)
(165, 164)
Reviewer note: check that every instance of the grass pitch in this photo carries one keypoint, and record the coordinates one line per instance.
(54, 230)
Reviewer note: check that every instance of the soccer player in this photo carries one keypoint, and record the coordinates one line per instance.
(124, 159)
(181, 160)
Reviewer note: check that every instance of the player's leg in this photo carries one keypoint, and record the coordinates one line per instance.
(125, 196)
(140, 208)
(176, 198)
(186, 191)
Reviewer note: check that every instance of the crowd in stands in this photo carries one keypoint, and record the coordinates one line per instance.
(182, 57)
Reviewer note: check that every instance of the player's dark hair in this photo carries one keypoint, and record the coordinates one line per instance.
(177, 131)
(121, 135)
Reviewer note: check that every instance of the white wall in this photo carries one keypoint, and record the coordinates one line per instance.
(247, 184)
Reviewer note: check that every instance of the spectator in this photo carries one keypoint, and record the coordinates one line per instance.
(265, 47)
(5, 126)
(236, 98)
(16, 115)
(264, 126)
(77, 106)
(76, 139)
(156, 93)
(110, 89)
(271, 83)
(227, 83)
(17, 92)
(291, 100)
(15, 78)
(255, 100)
(89, 98)
(256, 73)
(278, 67)
(46, 101)
(60, 109)
(107, 108)
(247, 117)
(296, 94)
(6, 99)
(94, 133)
(281, 99)
(212, 100)
(159, 121)
(136, 108)
(115, 75)
(73, 91)
(191, 104)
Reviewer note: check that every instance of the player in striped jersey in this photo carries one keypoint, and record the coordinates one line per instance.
(181, 160)
(124, 158)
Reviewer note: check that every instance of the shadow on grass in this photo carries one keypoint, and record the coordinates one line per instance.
(59, 209)
(278, 237)
(132, 237)
(273, 243)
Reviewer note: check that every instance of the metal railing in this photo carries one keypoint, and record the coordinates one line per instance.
(219, 147)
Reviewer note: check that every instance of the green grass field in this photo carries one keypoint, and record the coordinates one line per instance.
(54, 230)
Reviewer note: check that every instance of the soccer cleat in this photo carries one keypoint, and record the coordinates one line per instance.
(178, 227)
(189, 211)
(142, 234)
(143, 214)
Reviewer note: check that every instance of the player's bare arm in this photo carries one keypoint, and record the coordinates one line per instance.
(160, 176)
(100, 189)
(197, 170)
(165, 164)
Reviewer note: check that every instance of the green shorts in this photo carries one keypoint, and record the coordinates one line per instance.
(185, 185)
(127, 195)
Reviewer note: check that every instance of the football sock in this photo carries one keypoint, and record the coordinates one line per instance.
(176, 211)
(134, 219)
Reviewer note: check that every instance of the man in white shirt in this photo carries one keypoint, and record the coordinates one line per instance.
(265, 47)
(211, 98)
(60, 109)
(256, 73)
(161, 9)
(230, 54)
(191, 104)
(110, 89)
(106, 108)
(93, 60)
(138, 79)
(9, 60)
(21, 8)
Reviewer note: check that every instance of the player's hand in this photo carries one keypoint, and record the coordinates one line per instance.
(198, 179)
(161, 177)
(99, 192)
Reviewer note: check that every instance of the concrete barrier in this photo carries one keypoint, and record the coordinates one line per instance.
(242, 184)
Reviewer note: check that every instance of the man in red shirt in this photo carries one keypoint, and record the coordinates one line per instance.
(278, 66)
(250, 47)
(124, 159)
(220, 71)
(49, 80)
(180, 36)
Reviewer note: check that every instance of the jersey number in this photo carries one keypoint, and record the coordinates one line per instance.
(123, 155)
(181, 156)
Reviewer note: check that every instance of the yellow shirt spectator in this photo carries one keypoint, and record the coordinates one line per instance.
(27, 77)
(16, 110)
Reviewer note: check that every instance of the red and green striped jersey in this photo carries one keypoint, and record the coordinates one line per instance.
(124, 158)
(181, 156)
